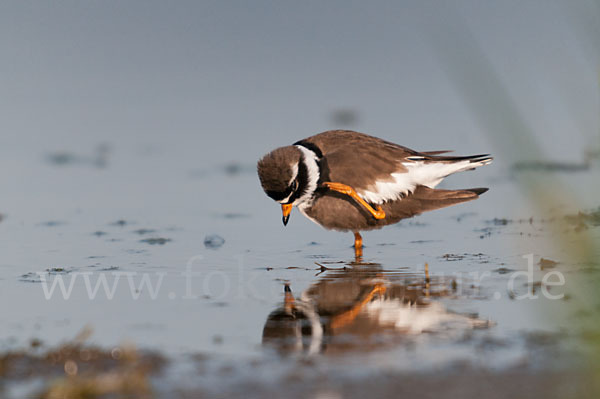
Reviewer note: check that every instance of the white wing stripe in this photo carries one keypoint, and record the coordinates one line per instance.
(418, 173)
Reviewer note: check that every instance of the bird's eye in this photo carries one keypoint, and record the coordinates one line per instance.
(294, 185)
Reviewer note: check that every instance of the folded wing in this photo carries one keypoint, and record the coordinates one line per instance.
(382, 171)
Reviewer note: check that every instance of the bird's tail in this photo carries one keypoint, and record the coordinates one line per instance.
(425, 199)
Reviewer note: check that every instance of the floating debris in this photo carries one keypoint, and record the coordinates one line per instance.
(547, 264)
(156, 241)
(109, 268)
(99, 233)
(452, 257)
(57, 270)
(500, 222)
(213, 241)
(503, 270)
(479, 257)
(144, 231)
(486, 232)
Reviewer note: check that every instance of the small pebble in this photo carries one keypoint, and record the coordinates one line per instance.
(214, 241)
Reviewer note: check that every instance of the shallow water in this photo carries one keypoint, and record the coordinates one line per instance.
(216, 245)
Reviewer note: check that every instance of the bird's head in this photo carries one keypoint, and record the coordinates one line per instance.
(281, 174)
(290, 175)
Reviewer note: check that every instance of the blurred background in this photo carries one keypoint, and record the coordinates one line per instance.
(228, 81)
(129, 134)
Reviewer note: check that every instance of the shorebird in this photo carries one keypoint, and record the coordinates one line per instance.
(350, 181)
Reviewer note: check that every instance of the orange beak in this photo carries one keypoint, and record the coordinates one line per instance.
(288, 302)
(285, 210)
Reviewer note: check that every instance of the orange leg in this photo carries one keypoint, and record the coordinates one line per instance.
(349, 316)
(357, 244)
(344, 189)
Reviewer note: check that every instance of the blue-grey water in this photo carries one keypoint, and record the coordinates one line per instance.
(129, 137)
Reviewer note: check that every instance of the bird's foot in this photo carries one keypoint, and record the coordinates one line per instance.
(358, 252)
(345, 189)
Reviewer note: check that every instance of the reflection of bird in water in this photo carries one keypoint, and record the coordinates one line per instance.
(349, 181)
(359, 309)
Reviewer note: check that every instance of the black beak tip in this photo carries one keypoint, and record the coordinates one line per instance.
(285, 220)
